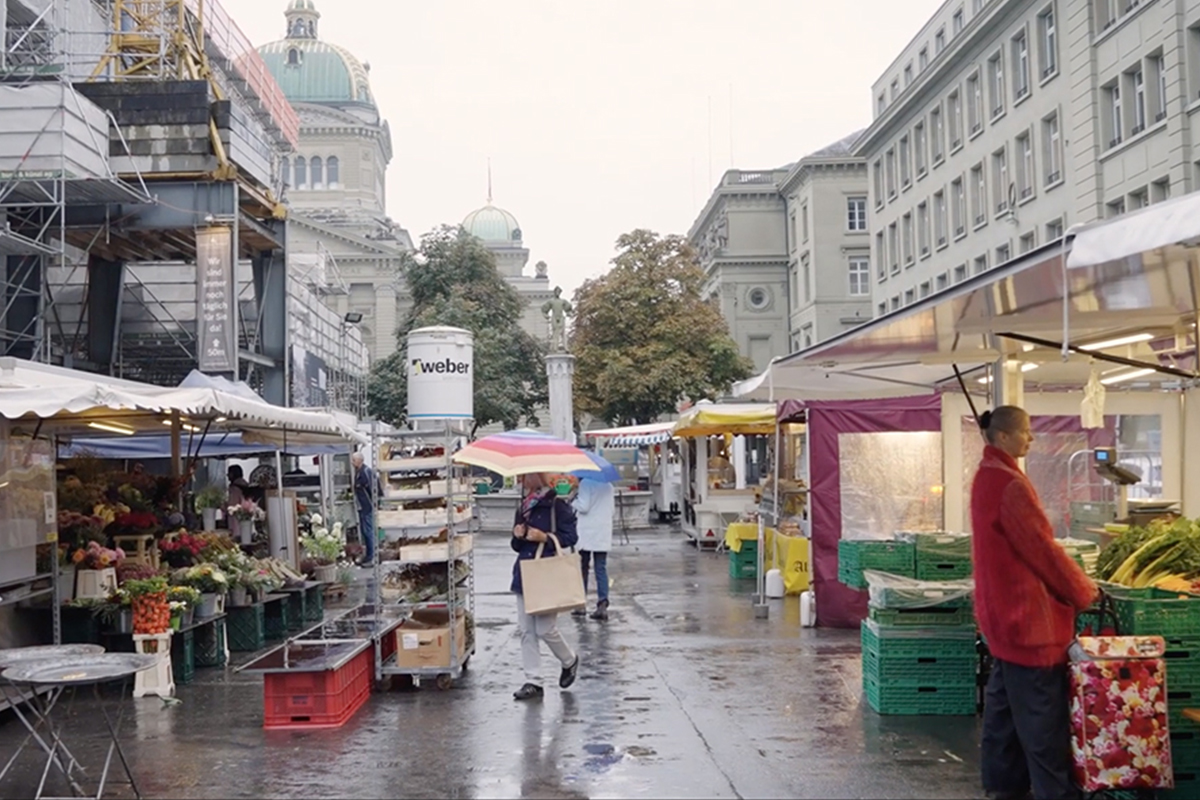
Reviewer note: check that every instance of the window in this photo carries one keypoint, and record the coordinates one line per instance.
(1106, 13)
(919, 149)
(1025, 171)
(974, 104)
(860, 276)
(293, 57)
(939, 219)
(882, 309)
(906, 238)
(896, 303)
(856, 212)
(979, 195)
(1027, 242)
(333, 172)
(923, 229)
(1000, 180)
(943, 281)
(808, 336)
(301, 172)
(981, 264)
(890, 159)
(894, 248)
(1054, 230)
(791, 233)
(804, 222)
(957, 22)
(1158, 74)
(1052, 150)
(895, 89)
(318, 179)
(905, 164)
(926, 289)
(960, 273)
(923, 59)
(958, 195)
(285, 171)
(1047, 43)
(881, 104)
(910, 297)
(1160, 190)
(1003, 254)
(878, 169)
(954, 104)
(995, 69)
(937, 135)
(1138, 79)
(908, 75)
(880, 258)
(1020, 48)
(976, 7)
(1112, 99)
(1139, 199)
(806, 279)
(939, 41)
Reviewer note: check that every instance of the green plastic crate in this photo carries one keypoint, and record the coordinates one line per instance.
(856, 555)
(1187, 786)
(917, 671)
(921, 700)
(1183, 663)
(183, 656)
(210, 644)
(247, 628)
(935, 616)
(314, 605)
(1185, 750)
(276, 619)
(901, 642)
(939, 545)
(743, 564)
(1158, 616)
(943, 570)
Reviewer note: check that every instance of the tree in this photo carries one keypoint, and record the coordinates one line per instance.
(643, 338)
(454, 281)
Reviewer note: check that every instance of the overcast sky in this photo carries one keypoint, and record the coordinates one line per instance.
(596, 114)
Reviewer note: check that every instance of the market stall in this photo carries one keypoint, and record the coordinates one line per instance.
(650, 487)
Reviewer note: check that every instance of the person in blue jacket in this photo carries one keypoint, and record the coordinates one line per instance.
(541, 512)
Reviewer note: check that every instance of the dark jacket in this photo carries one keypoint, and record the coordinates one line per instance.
(551, 514)
(363, 492)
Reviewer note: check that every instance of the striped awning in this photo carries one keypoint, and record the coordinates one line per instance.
(634, 435)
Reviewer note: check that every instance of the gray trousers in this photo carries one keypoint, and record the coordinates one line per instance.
(544, 627)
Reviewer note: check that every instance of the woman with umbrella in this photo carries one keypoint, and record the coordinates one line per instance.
(594, 507)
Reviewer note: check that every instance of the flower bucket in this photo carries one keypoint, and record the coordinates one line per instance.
(176, 622)
(246, 530)
(325, 573)
(124, 623)
(188, 617)
(66, 584)
(208, 606)
(95, 584)
(209, 516)
(238, 596)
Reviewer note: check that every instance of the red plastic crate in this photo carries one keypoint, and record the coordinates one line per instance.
(326, 699)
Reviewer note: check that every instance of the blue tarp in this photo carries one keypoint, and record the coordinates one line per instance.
(216, 445)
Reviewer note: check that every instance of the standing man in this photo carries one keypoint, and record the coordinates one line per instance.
(364, 499)
(1027, 594)
(594, 522)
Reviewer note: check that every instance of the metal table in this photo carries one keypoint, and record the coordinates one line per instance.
(59, 673)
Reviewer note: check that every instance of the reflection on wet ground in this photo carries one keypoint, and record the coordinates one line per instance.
(681, 693)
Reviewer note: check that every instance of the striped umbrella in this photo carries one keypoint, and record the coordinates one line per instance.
(524, 451)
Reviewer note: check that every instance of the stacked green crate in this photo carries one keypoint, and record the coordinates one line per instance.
(856, 555)
(910, 670)
(940, 556)
(1183, 691)
(1084, 553)
(744, 562)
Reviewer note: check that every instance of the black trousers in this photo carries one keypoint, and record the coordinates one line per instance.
(1027, 732)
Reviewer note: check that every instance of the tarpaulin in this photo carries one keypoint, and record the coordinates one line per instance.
(739, 419)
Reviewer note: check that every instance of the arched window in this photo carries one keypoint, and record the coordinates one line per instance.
(318, 178)
(285, 170)
(301, 173)
(293, 57)
(333, 172)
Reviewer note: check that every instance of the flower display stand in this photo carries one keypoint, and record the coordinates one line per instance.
(95, 584)
(158, 680)
(139, 548)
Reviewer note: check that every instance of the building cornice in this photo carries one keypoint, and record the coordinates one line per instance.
(926, 85)
(808, 166)
(754, 184)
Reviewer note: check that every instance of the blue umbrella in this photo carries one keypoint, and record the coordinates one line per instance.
(607, 474)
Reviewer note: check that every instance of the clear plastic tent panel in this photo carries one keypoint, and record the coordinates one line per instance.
(890, 482)
(27, 493)
(897, 591)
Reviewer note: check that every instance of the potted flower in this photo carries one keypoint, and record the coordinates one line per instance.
(187, 599)
(212, 584)
(324, 547)
(246, 513)
(96, 568)
(208, 500)
(115, 611)
(181, 550)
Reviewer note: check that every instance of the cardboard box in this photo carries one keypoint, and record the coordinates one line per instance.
(423, 641)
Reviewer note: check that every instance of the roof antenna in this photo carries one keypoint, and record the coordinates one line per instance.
(489, 181)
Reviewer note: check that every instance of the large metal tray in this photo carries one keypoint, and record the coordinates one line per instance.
(80, 670)
(13, 656)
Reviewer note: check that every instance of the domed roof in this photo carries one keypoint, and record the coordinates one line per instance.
(309, 70)
(492, 224)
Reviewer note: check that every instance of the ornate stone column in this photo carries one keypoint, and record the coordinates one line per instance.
(560, 371)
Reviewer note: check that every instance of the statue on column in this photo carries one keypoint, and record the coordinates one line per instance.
(557, 310)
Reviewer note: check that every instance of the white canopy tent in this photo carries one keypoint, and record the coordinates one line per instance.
(634, 435)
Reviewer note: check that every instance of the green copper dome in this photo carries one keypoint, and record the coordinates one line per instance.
(492, 224)
(309, 70)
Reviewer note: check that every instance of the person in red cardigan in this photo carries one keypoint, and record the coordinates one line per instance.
(1027, 594)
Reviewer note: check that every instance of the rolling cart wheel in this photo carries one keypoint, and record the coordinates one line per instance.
(444, 681)
(466, 663)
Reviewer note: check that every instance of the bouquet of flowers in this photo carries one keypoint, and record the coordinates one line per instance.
(94, 556)
(209, 497)
(186, 595)
(76, 527)
(181, 551)
(246, 510)
(206, 578)
(324, 546)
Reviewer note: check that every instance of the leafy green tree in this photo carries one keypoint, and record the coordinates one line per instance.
(454, 281)
(643, 338)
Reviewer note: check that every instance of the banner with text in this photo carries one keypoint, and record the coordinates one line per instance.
(216, 307)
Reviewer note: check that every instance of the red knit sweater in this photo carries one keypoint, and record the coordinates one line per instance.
(1027, 589)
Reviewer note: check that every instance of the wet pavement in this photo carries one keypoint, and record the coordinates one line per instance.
(682, 693)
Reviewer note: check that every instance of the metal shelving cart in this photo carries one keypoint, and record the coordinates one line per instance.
(422, 493)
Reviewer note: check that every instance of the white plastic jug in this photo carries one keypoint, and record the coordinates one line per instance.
(774, 583)
(808, 609)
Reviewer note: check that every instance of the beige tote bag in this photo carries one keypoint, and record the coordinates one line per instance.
(552, 583)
